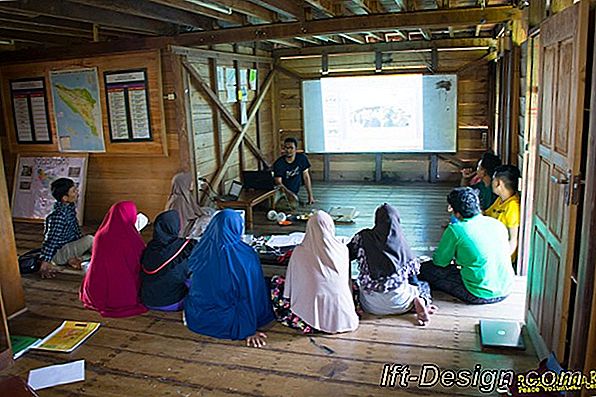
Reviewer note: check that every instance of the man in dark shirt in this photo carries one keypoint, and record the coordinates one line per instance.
(63, 242)
(290, 170)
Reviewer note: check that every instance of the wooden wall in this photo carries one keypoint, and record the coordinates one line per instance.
(473, 113)
(130, 171)
(211, 133)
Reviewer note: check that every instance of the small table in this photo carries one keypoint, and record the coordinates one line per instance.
(247, 200)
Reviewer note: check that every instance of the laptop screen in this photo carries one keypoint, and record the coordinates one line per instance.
(235, 188)
(260, 180)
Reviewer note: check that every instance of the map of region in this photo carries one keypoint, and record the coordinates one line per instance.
(77, 110)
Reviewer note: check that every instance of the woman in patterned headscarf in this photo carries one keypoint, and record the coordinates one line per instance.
(388, 269)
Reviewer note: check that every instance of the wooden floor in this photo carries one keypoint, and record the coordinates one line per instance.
(155, 355)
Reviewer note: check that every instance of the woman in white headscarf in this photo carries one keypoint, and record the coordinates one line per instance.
(317, 294)
(193, 218)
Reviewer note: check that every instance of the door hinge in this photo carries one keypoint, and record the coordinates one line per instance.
(576, 189)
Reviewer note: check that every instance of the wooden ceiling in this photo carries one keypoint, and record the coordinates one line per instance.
(285, 25)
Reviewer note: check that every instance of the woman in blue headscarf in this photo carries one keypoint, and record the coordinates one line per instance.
(228, 297)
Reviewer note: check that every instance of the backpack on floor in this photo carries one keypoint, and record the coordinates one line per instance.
(30, 262)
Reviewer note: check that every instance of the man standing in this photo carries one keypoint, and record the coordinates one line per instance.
(290, 170)
(63, 242)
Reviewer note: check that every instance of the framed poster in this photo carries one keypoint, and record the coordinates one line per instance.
(77, 110)
(128, 105)
(30, 110)
(31, 194)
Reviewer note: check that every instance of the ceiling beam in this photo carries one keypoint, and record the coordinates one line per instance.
(486, 58)
(195, 8)
(43, 37)
(50, 22)
(388, 47)
(77, 12)
(402, 5)
(247, 8)
(309, 40)
(353, 24)
(286, 43)
(362, 4)
(326, 7)
(352, 38)
(290, 8)
(67, 32)
(152, 11)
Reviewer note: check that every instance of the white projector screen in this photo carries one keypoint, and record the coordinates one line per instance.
(405, 113)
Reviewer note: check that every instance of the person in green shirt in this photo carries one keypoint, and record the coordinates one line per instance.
(472, 261)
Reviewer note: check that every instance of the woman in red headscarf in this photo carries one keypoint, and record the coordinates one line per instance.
(111, 285)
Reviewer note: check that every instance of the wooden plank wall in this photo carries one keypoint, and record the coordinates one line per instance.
(210, 129)
(473, 113)
(141, 173)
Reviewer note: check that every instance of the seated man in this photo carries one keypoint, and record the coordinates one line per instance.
(482, 272)
(506, 208)
(289, 171)
(63, 242)
(481, 179)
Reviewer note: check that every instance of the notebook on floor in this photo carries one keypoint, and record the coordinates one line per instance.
(501, 334)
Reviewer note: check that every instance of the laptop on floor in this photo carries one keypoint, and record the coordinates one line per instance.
(501, 334)
(258, 180)
(233, 192)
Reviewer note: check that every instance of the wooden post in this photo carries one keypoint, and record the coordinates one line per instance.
(255, 65)
(378, 167)
(433, 169)
(238, 105)
(10, 278)
(326, 167)
(217, 137)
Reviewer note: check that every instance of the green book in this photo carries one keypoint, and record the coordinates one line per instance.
(20, 344)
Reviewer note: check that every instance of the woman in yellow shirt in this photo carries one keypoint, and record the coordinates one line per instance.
(506, 208)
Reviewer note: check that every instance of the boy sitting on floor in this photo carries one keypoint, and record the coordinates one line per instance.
(63, 241)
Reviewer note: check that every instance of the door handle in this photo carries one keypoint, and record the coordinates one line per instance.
(563, 181)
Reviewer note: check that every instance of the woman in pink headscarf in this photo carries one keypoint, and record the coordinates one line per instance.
(317, 294)
(111, 285)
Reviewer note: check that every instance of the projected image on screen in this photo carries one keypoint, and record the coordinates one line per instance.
(399, 113)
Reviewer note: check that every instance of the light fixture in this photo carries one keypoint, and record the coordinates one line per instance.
(6, 42)
(212, 6)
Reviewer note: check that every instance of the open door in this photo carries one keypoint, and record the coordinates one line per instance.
(563, 53)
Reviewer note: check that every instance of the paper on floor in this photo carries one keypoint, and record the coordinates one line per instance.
(285, 240)
(54, 375)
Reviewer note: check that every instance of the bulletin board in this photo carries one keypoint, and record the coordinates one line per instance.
(59, 85)
(31, 194)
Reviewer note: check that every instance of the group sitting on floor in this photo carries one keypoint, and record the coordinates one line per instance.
(198, 262)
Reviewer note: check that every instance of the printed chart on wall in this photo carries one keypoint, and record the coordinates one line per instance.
(30, 110)
(128, 105)
(31, 195)
(77, 110)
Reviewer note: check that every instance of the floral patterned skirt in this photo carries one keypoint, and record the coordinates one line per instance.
(281, 308)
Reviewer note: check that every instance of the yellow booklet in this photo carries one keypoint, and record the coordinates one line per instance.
(68, 336)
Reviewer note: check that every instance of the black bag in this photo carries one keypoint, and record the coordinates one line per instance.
(29, 262)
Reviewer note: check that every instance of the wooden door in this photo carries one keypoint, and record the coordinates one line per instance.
(563, 45)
